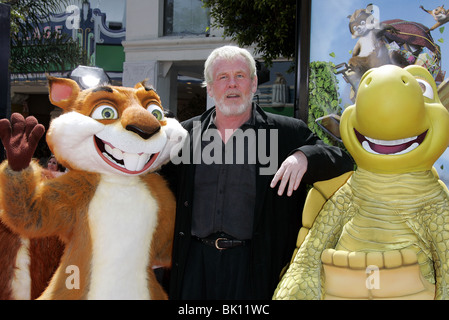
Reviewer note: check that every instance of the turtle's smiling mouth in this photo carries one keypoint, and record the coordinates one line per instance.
(390, 147)
(131, 163)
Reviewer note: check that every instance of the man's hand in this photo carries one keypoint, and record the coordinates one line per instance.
(20, 137)
(292, 170)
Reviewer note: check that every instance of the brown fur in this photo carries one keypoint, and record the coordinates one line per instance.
(68, 220)
(44, 254)
(160, 254)
(9, 245)
(47, 217)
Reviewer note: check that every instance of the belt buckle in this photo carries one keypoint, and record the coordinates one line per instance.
(216, 243)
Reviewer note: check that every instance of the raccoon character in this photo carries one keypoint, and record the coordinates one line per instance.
(370, 50)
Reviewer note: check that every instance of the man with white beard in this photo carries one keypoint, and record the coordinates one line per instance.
(235, 229)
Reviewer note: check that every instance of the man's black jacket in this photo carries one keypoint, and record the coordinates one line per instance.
(277, 219)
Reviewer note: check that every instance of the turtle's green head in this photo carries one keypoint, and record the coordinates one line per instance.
(397, 123)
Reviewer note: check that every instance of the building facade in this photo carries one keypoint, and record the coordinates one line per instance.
(164, 42)
(167, 42)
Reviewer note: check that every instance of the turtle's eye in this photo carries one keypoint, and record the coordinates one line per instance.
(427, 90)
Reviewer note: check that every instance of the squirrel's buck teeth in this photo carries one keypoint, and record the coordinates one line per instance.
(132, 161)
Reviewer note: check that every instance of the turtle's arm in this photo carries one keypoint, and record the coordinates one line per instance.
(303, 277)
(439, 232)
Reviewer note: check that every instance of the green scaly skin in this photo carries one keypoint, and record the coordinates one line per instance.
(402, 211)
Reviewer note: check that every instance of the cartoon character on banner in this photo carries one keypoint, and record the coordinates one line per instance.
(384, 233)
(113, 212)
(370, 50)
(395, 41)
(440, 15)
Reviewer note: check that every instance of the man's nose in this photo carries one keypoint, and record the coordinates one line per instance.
(232, 82)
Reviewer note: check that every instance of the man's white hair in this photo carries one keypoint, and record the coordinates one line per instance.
(227, 52)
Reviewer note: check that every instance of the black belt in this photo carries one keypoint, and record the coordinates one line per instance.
(222, 243)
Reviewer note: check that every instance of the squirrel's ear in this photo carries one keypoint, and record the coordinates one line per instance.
(62, 92)
(143, 84)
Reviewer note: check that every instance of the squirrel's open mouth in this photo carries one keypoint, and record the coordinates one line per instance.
(390, 147)
(131, 163)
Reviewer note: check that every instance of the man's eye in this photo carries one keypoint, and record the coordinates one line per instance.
(104, 112)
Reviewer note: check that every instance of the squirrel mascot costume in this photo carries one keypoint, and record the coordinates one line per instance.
(113, 212)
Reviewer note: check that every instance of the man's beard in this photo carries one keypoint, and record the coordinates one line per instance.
(235, 110)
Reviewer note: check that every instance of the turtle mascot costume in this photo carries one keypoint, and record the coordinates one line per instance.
(384, 234)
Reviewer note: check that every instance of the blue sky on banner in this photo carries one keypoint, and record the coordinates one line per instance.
(332, 41)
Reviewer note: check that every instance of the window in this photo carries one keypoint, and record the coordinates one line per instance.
(183, 17)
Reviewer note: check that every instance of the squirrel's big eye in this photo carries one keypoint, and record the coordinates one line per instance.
(104, 112)
(156, 111)
(426, 88)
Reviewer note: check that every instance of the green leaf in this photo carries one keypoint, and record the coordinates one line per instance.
(332, 54)
(250, 23)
